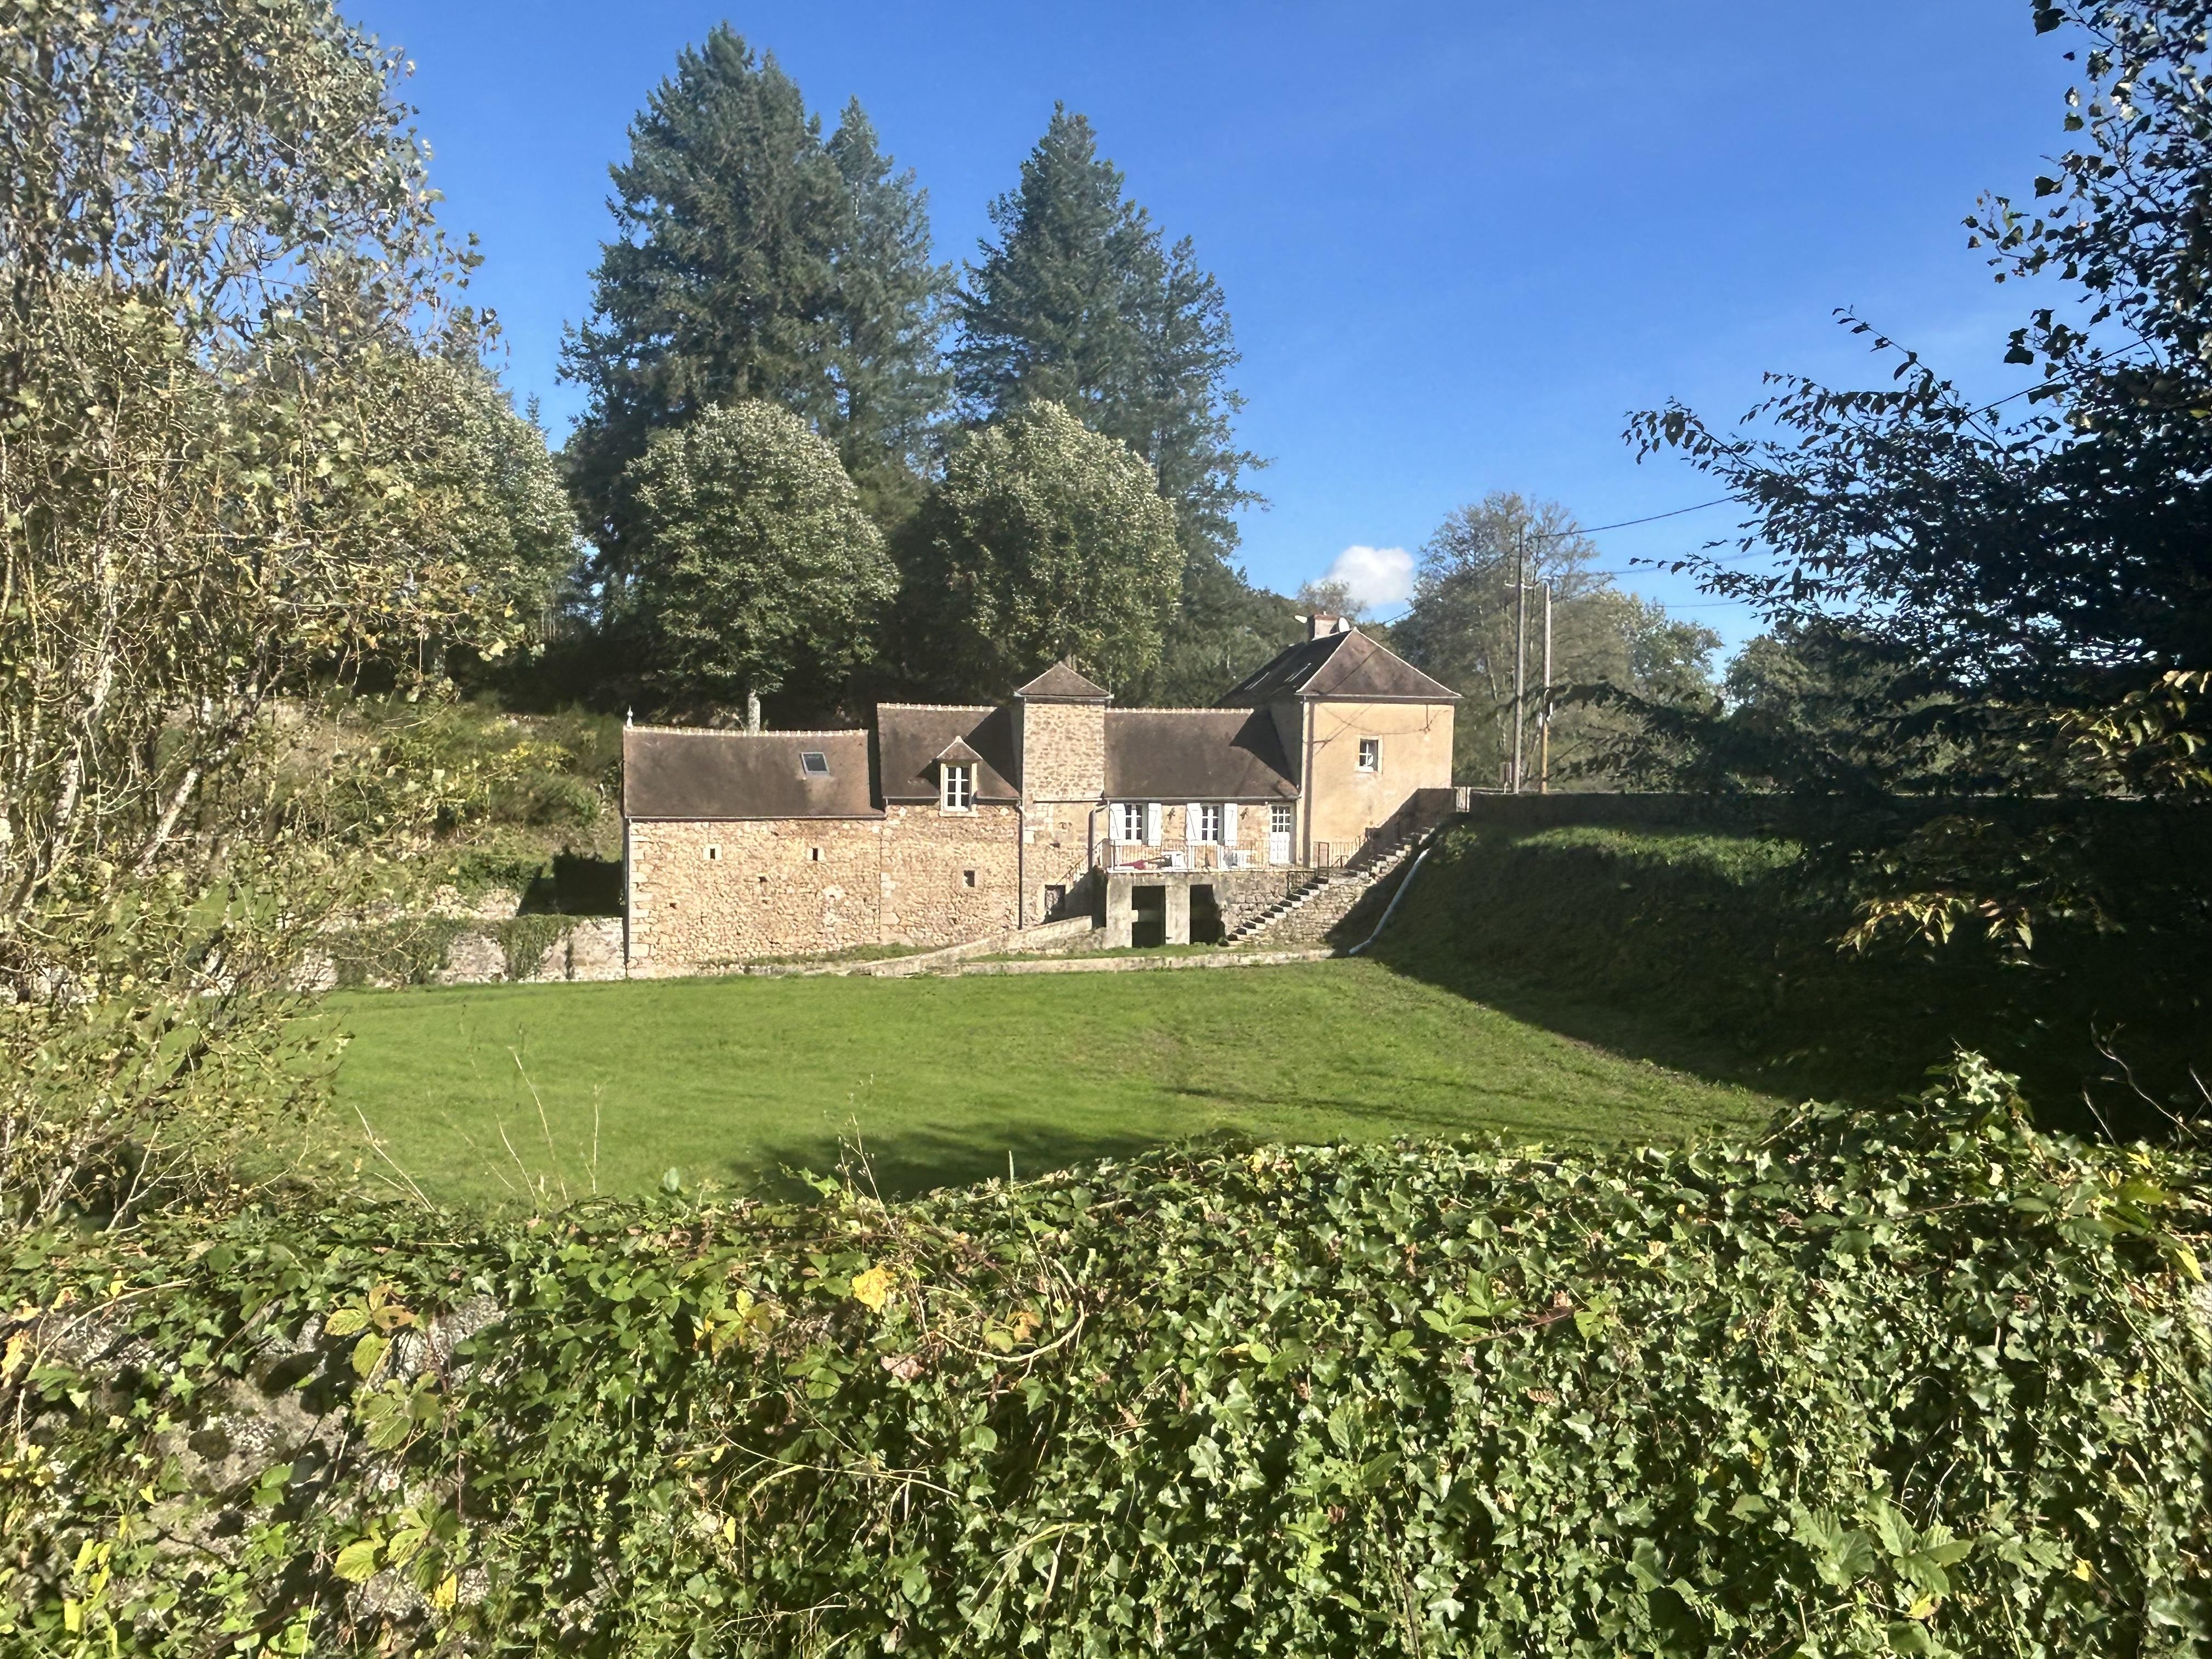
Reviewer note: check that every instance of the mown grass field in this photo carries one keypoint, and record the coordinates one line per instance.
(943, 1080)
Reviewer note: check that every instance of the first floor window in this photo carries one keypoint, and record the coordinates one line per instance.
(1128, 820)
(959, 787)
(1206, 822)
(1278, 819)
(1370, 754)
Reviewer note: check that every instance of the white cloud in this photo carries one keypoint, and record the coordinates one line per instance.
(1375, 576)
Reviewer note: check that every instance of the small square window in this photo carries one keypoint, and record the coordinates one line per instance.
(967, 877)
(814, 855)
(714, 854)
(1370, 754)
(813, 763)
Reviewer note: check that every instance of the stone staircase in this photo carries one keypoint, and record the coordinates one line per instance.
(1306, 914)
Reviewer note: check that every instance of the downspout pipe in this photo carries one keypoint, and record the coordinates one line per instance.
(1391, 908)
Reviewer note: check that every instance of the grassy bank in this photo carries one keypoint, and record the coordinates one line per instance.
(1717, 953)
(942, 1080)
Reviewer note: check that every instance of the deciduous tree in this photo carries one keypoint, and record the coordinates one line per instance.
(244, 444)
(754, 561)
(1045, 540)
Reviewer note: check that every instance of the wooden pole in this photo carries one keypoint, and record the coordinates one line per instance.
(1519, 646)
(1544, 720)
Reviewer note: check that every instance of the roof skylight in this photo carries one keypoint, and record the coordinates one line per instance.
(813, 763)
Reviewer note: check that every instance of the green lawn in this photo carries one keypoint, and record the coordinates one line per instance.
(941, 1080)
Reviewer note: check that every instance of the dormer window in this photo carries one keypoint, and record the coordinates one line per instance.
(813, 763)
(958, 788)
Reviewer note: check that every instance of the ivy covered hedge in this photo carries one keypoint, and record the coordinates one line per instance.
(1925, 1383)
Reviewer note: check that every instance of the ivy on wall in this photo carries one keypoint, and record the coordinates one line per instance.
(1924, 1382)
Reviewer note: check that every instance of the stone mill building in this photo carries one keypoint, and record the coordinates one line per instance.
(944, 824)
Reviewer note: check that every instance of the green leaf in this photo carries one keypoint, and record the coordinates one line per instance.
(357, 1562)
(367, 1353)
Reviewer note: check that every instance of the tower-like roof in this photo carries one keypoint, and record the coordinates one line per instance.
(1061, 683)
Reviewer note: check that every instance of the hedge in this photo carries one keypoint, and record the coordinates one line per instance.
(1929, 1382)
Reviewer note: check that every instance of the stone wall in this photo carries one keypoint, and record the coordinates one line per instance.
(1063, 750)
(949, 876)
(706, 894)
(1058, 851)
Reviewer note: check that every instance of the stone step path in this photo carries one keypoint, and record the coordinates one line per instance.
(1314, 909)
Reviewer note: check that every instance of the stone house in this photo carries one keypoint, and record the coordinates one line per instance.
(949, 824)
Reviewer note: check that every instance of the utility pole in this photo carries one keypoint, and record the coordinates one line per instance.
(1544, 720)
(1520, 646)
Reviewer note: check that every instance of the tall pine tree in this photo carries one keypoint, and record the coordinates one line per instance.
(1078, 302)
(754, 260)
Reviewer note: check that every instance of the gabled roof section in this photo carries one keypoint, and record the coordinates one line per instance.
(1347, 666)
(958, 750)
(1194, 754)
(911, 739)
(676, 771)
(1061, 683)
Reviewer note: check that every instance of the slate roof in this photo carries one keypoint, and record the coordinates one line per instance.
(1060, 683)
(910, 736)
(1349, 665)
(1194, 754)
(707, 774)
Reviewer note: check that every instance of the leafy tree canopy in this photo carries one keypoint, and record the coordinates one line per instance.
(753, 259)
(1462, 627)
(1045, 540)
(246, 441)
(755, 560)
(1082, 302)
(2019, 557)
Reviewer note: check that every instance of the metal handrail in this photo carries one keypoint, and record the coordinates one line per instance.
(1391, 909)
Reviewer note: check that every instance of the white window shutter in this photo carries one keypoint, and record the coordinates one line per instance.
(1190, 824)
(1152, 823)
(1229, 823)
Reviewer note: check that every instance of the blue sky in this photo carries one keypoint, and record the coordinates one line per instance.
(1459, 241)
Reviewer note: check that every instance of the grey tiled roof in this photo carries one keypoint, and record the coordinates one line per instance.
(1060, 683)
(1194, 754)
(704, 774)
(1349, 665)
(910, 736)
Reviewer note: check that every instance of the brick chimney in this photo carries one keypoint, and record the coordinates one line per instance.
(1320, 625)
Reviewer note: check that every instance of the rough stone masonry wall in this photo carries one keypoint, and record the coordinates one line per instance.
(1058, 851)
(1063, 750)
(928, 857)
(780, 887)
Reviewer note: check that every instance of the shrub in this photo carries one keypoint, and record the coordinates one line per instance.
(1924, 1383)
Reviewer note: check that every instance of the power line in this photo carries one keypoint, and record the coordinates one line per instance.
(1599, 529)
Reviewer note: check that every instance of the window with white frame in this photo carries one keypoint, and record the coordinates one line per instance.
(1206, 822)
(1279, 819)
(959, 787)
(1370, 754)
(1128, 820)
